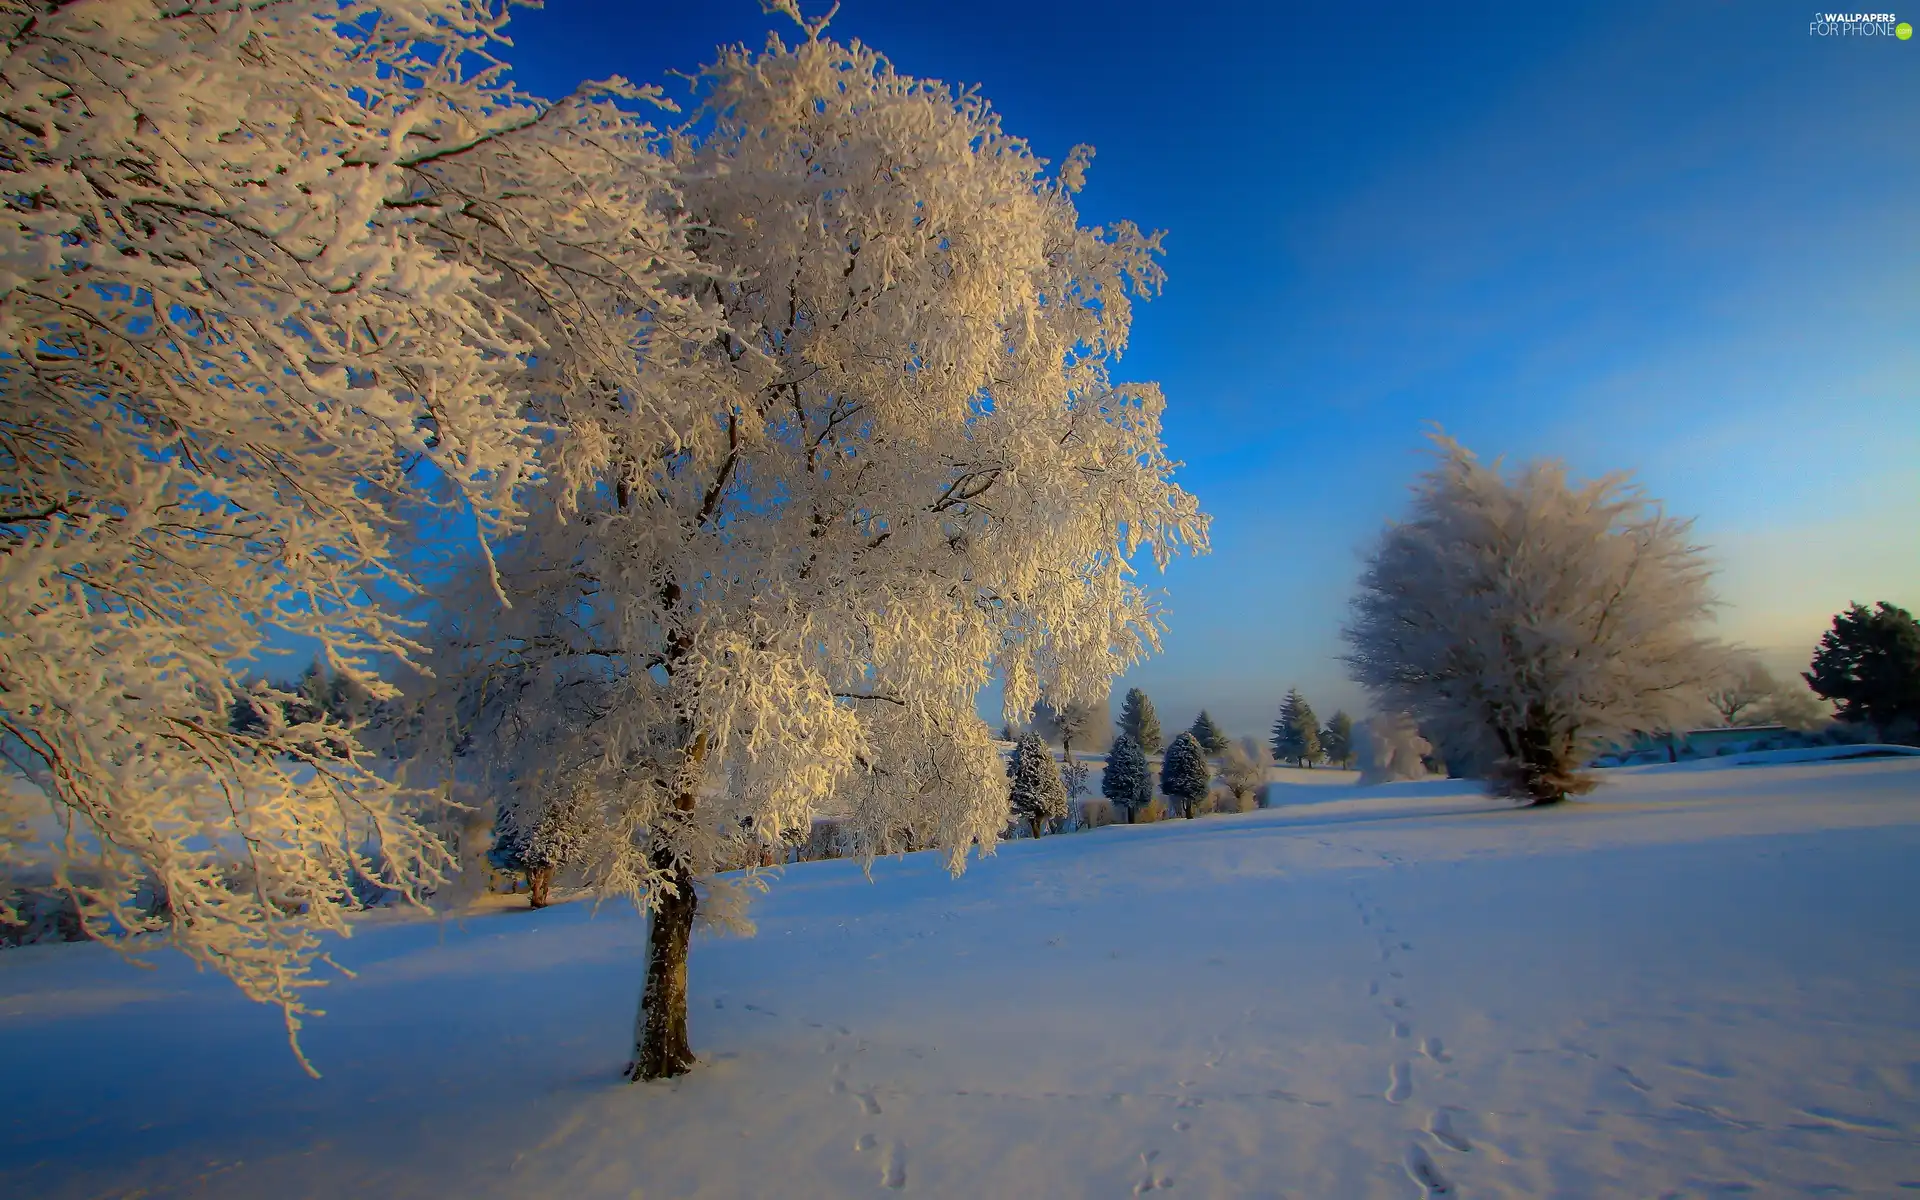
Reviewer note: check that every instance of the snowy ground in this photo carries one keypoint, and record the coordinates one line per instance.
(1704, 980)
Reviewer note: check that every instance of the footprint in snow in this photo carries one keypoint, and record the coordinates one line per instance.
(1402, 1030)
(1399, 1083)
(894, 1174)
(1440, 1125)
(1434, 1049)
(1149, 1182)
(1421, 1169)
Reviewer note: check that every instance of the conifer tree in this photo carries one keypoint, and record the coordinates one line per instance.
(1296, 735)
(1127, 782)
(1211, 737)
(1186, 775)
(1309, 734)
(1869, 664)
(1036, 794)
(1140, 722)
(1336, 740)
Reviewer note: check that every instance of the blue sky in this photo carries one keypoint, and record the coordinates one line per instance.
(1673, 238)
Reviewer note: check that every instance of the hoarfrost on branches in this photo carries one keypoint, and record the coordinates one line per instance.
(280, 282)
(1036, 794)
(1528, 619)
(1390, 749)
(772, 581)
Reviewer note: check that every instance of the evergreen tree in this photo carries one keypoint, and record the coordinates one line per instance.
(312, 690)
(1127, 782)
(1309, 735)
(1211, 737)
(1139, 722)
(1336, 740)
(1036, 793)
(1869, 665)
(1296, 735)
(1186, 774)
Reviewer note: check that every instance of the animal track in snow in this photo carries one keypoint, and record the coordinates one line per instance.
(1296, 1098)
(1634, 1081)
(1421, 1169)
(1850, 1120)
(1399, 1083)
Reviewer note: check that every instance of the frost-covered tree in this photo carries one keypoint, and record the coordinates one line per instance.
(279, 285)
(1532, 618)
(1390, 749)
(1747, 693)
(1036, 795)
(1185, 773)
(1211, 737)
(1336, 740)
(1743, 686)
(1868, 664)
(1127, 780)
(1296, 734)
(782, 564)
(1139, 722)
(550, 845)
(1243, 768)
(1071, 724)
(1793, 706)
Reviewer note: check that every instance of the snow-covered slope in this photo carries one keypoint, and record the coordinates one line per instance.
(1694, 982)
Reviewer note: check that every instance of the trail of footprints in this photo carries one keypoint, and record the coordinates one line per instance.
(1418, 1161)
(893, 1164)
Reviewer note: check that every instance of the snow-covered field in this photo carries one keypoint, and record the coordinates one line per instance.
(1702, 980)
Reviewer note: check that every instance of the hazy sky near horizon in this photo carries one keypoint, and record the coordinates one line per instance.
(1675, 238)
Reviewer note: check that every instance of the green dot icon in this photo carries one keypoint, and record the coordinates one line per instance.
(1903, 31)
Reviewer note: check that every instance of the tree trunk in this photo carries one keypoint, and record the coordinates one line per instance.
(1036, 822)
(540, 886)
(660, 1049)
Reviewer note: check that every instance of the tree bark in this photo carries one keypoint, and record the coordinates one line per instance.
(660, 1049)
(540, 886)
